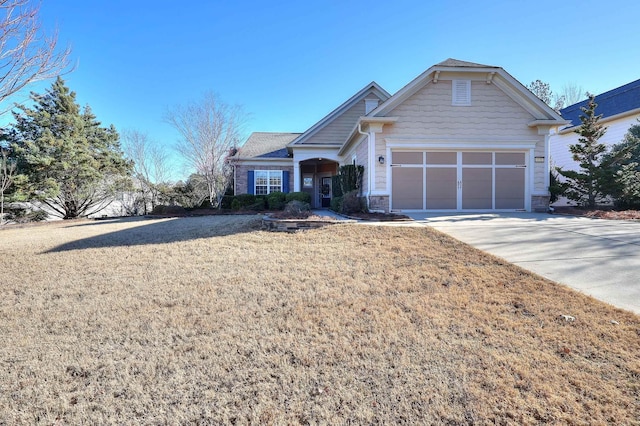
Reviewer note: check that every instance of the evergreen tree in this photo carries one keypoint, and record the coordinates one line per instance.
(587, 185)
(67, 160)
(622, 164)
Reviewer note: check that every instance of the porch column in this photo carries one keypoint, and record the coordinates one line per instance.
(546, 132)
(372, 162)
(296, 176)
(547, 161)
(373, 157)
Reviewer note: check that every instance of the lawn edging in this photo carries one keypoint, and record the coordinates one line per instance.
(292, 225)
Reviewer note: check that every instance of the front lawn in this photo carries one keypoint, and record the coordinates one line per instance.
(209, 320)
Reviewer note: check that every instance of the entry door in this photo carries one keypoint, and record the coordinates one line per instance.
(325, 191)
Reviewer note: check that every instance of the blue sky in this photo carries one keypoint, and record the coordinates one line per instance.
(289, 63)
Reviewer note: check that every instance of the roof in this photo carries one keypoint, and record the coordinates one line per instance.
(617, 101)
(542, 113)
(372, 87)
(266, 145)
(450, 62)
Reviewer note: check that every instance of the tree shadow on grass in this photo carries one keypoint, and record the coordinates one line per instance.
(143, 232)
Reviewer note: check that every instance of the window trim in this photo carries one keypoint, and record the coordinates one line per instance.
(268, 185)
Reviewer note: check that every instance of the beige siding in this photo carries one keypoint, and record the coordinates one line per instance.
(339, 129)
(429, 115)
(492, 113)
(562, 157)
(362, 159)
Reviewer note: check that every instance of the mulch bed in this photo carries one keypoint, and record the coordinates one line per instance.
(380, 217)
(600, 213)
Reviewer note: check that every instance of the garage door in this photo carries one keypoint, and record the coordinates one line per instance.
(458, 180)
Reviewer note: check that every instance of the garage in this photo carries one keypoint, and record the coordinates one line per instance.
(458, 180)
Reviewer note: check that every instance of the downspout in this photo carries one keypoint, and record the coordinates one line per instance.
(368, 160)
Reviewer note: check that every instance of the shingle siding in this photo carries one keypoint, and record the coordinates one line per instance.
(362, 158)
(339, 129)
(428, 114)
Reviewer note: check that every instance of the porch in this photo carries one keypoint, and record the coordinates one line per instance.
(314, 178)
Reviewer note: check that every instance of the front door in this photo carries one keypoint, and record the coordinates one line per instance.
(325, 192)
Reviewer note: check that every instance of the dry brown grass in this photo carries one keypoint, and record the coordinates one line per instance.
(209, 320)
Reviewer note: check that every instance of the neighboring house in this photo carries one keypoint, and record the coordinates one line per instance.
(459, 137)
(620, 109)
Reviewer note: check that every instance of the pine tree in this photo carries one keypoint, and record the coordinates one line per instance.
(623, 170)
(586, 185)
(67, 160)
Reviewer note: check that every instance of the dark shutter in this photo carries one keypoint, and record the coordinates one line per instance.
(285, 181)
(250, 183)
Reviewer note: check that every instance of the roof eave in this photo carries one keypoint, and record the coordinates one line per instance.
(336, 112)
(357, 129)
(603, 120)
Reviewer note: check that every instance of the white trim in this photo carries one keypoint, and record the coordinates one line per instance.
(459, 166)
(458, 145)
(296, 177)
(282, 163)
(372, 87)
(460, 92)
(268, 172)
(603, 120)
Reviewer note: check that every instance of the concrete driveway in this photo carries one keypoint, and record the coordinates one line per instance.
(598, 257)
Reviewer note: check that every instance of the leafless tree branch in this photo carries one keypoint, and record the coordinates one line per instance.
(209, 129)
(26, 53)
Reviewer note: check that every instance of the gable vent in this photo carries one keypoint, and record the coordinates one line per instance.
(461, 92)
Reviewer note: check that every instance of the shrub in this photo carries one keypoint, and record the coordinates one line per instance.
(168, 210)
(352, 203)
(245, 200)
(336, 204)
(336, 187)
(226, 202)
(206, 204)
(235, 204)
(304, 197)
(349, 178)
(276, 200)
(258, 205)
(22, 215)
(297, 208)
(37, 216)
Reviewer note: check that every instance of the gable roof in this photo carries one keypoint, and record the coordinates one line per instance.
(450, 62)
(617, 101)
(329, 118)
(542, 113)
(266, 145)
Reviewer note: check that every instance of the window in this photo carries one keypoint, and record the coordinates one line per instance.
(461, 92)
(268, 181)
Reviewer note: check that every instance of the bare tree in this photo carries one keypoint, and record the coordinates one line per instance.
(26, 53)
(151, 167)
(573, 93)
(210, 129)
(7, 175)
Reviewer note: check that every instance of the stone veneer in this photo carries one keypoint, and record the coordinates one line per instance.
(379, 202)
(540, 203)
(293, 225)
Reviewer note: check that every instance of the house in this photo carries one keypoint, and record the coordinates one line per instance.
(620, 109)
(460, 137)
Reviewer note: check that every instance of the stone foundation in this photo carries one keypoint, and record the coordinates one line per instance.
(293, 225)
(540, 203)
(379, 203)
